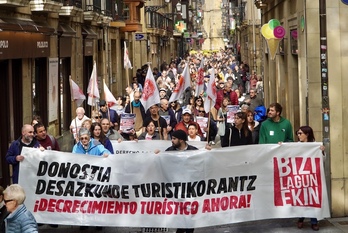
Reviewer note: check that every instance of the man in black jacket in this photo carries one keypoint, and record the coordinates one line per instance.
(179, 138)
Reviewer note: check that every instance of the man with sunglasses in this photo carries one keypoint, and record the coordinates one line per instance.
(108, 113)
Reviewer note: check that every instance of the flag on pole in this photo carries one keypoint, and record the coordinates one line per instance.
(108, 96)
(211, 92)
(183, 83)
(127, 63)
(200, 78)
(76, 93)
(150, 94)
(92, 90)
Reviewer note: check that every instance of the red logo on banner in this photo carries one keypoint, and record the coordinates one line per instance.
(180, 84)
(200, 79)
(149, 89)
(297, 182)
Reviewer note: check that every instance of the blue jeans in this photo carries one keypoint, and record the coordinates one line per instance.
(313, 220)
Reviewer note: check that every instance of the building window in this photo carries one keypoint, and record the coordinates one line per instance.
(125, 13)
(293, 42)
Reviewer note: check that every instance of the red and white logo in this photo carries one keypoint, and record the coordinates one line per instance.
(297, 182)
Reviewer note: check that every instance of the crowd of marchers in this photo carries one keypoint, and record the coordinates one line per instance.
(233, 83)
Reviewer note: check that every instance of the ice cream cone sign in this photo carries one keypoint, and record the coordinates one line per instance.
(273, 33)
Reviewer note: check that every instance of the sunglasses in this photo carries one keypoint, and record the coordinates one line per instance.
(84, 138)
(201, 111)
(97, 117)
(6, 201)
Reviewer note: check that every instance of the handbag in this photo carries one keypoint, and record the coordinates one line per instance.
(221, 127)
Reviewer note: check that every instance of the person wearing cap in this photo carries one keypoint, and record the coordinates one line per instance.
(179, 138)
(108, 113)
(186, 121)
(163, 93)
(88, 145)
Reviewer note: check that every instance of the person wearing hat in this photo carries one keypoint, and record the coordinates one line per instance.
(108, 113)
(186, 121)
(88, 145)
(179, 138)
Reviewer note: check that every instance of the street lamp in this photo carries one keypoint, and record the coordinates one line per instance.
(178, 7)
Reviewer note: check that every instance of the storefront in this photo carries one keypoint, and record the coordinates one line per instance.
(24, 52)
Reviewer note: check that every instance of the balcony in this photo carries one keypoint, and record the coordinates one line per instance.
(71, 8)
(45, 5)
(14, 3)
(92, 12)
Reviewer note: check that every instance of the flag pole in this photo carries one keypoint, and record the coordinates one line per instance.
(107, 103)
(209, 116)
(71, 96)
(127, 75)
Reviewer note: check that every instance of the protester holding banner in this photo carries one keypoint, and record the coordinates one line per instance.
(88, 145)
(20, 219)
(238, 133)
(97, 134)
(150, 132)
(276, 128)
(13, 155)
(179, 138)
(305, 134)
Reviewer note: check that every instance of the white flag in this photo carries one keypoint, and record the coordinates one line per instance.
(76, 93)
(127, 63)
(183, 83)
(200, 78)
(108, 96)
(92, 90)
(211, 92)
(150, 94)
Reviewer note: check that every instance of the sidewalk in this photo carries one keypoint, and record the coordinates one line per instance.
(333, 225)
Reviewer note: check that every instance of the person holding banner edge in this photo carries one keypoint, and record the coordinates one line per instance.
(179, 138)
(305, 134)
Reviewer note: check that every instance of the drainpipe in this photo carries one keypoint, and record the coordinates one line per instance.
(325, 91)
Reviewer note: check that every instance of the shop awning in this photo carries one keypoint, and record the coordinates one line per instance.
(87, 32)
(25, 25)
(65, 30)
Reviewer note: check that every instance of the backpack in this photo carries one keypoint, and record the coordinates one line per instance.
(260, 113)
(53, 141)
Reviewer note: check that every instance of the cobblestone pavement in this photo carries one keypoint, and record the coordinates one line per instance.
(333, 225)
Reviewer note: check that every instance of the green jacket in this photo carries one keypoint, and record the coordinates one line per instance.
(274, 132)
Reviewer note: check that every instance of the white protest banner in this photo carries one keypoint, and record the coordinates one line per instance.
(186, 189)
(145, 146)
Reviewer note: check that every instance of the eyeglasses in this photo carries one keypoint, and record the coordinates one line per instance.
(84, 138)
(6, 201)
(299, 133)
